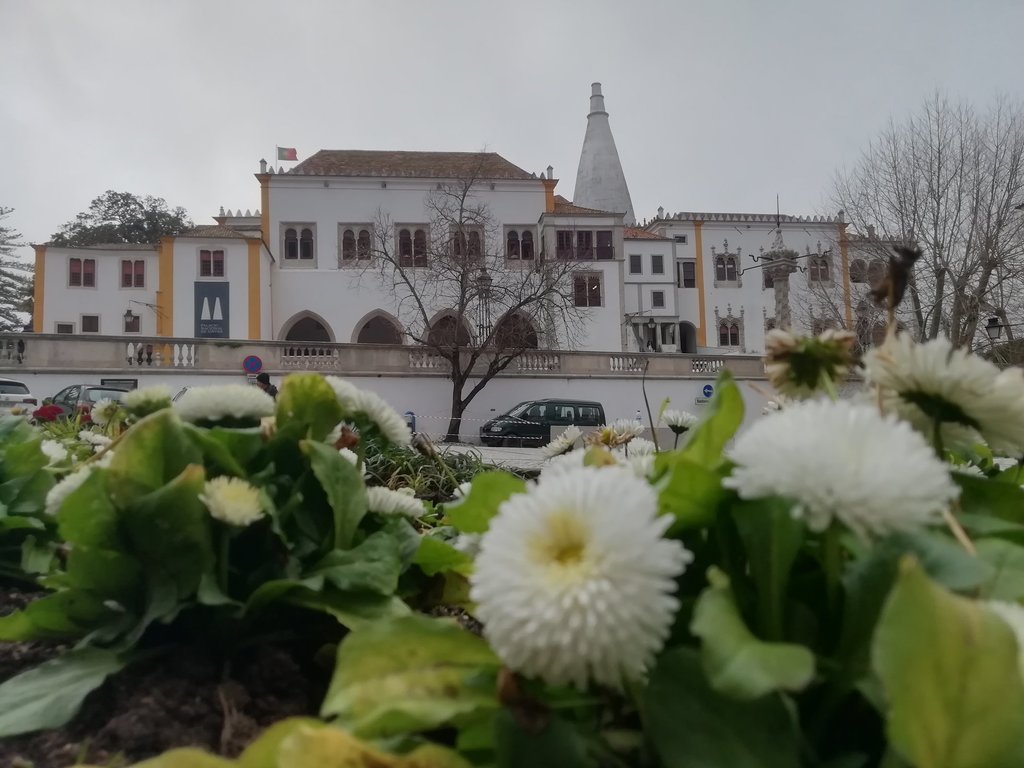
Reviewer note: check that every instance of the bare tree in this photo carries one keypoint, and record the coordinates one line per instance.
(468, 294)
(951, 181)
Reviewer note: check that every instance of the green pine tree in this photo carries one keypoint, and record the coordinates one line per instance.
(15, 278)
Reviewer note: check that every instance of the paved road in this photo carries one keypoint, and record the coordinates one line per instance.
(516, 458)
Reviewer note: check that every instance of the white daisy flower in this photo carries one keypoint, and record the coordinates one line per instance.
(462, 491)
(468, 543)
(54, 451)
(94, 439)
(925, 383)
(968, 469)
(68, 485)
(104, 460)
(638, 455)
(384, 501)
(232, 500)
(839, 460)
(572, 590)
(229, 403)
(1012, 614)
(619, 432)
(103, 411)
(796, 365)
(564, 443)
(372, 407)
(142, 402)
(679, 421)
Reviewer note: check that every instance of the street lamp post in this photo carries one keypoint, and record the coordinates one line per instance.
(994, 328)
(484, 283)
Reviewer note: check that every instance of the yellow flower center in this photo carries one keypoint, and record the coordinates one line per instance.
(562, 546)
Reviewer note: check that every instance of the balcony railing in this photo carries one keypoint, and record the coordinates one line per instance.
(103, 354)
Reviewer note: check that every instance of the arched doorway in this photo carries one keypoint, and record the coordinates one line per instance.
(379, 329)
(687, 338)
(446, 331)
(308, 327)
(515, 332)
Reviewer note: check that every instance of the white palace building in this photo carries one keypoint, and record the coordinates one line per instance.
(677, 283)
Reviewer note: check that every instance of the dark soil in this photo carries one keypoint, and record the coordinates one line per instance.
(181, 699)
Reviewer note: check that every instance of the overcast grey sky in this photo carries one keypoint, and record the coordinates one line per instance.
(715, 104)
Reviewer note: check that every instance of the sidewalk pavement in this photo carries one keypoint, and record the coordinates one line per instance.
(514, 458)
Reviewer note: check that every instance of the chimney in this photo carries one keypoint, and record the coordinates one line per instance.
(551, 172)
(596, 99)
(263, 166)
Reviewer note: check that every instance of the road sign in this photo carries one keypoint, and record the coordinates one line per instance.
(252, 364)
(708, 390)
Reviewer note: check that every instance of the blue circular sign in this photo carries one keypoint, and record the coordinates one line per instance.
(252, 364)
(708, 390)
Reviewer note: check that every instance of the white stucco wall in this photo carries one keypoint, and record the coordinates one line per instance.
(186, 274)
(65, 304)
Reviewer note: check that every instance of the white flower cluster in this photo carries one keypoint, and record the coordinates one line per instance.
(147, 400)
(232, 500)
(372, 407)
(843, 461)
(94, 439)
(68, 485)
(104, 411)
(384, 501)
(973, 399)
(54, 451)
(572, 590)
(225, 402)
(564, 443)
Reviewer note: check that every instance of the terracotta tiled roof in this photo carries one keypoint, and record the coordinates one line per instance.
(564, 207)
(108, 247)
(635, 233)
(213, 230)
(424, 165)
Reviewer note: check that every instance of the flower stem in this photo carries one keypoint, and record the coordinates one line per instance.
(675, 440)
(224, 554)
(832, 556)
(937, 438)
(829, 386)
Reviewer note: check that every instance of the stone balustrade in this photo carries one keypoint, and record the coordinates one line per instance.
(100, 354)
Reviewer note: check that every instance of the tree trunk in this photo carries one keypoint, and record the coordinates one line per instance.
(455, 422)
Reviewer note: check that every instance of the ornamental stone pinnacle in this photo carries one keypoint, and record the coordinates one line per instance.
(600, 182)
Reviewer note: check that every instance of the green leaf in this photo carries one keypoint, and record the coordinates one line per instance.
(737, 663)
(691, 725)
(189, 757)
(344, 487)
(262, 753)
(306, 401)
(109, 574)
(151, 454)
(435, 556)
(49, 695)
(373, 565)
(410, 674)
(722, 417)
(950, 670)
(772, 538)
(868, 581)
(70, 613)
(489, 489)
(557, 745)
(37, 556)
(226, 449)
(88, 518)
(1007, 560)
(168, 530)
(981, 496)
(689, 491)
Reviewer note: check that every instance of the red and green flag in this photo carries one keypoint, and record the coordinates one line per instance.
(287, 153)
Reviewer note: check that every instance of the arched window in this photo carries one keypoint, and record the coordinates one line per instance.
(720, 268)
(734, 335)
(459, 244)
(363, 244)
(291, 244)
(405, 247)
(723, 335)
(858, 271)
(730, 270)
(348, 245)
(876, 272)
(818, 270)
(306, 244)
(515, 332)
(527, 245)
(379, 330)
(419, 248)
(447, 332)
(308, 329)
(474, 244)
(512, 245)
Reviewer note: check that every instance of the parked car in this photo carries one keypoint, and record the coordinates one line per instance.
(80, 398)
(530, 422)
(15, 396)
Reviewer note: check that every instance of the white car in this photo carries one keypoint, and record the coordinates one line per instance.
(15, 397)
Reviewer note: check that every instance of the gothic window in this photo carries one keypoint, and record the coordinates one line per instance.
(412, 247)
(306, 244)
(419, 248)
(720, 268)
(363, 244)
(291, 244)
(734, 335)
(818, 270)
(858, 271)
(527, 245)
(730, 269)
(512, 245)
(348, 245)
(299, 244)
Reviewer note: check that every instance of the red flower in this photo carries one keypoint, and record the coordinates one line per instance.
(47, 413)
